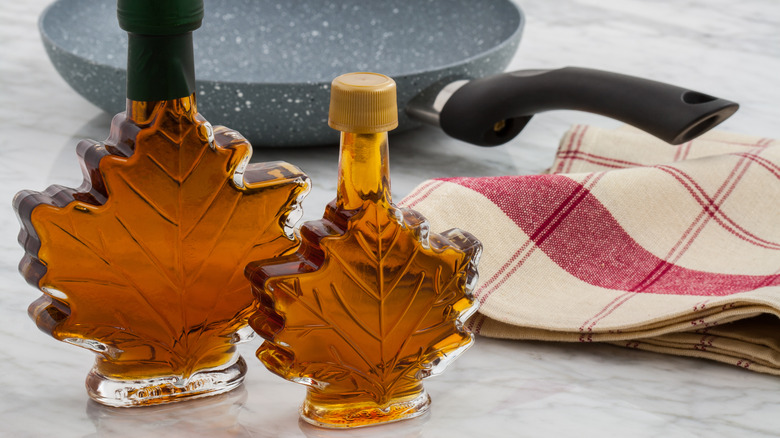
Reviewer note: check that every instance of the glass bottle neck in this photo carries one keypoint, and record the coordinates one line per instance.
(141, 111)
(160, 67)
(364, 170)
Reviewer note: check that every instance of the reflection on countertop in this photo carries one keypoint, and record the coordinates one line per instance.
(211, 416)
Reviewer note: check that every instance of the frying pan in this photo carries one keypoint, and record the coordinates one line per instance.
(264, 68)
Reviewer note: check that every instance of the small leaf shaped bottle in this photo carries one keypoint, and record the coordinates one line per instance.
(143, 263)
(372, 302)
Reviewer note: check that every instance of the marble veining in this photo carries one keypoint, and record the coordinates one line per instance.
(496, 389)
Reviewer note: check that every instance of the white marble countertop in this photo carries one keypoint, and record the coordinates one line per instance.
(498, 388)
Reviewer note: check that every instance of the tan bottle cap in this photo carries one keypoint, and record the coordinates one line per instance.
(363, 103)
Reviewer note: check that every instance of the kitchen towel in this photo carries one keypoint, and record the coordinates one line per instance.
(631, 241)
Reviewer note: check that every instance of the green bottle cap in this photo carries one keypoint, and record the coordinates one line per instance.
(159, 17)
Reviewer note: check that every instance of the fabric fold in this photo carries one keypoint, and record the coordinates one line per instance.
(631, 241)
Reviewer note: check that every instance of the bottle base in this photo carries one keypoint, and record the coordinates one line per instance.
(365, 414)
(159, 390)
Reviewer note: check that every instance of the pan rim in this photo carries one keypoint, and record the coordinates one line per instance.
(518, 24)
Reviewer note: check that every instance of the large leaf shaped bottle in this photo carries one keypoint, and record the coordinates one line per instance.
(372, 302)
(143, 263)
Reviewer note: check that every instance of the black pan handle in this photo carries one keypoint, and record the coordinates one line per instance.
(493, 110)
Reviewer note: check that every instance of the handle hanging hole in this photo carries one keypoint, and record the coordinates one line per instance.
(701, 127)
(694, 97)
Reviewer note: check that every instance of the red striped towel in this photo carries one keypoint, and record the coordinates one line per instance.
(631, 241)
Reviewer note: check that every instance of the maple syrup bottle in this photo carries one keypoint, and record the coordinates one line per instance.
(143, 263)
(372, 302)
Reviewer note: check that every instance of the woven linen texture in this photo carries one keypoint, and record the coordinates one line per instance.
(631, 241)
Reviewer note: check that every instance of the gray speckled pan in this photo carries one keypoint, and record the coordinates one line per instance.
(264, 67)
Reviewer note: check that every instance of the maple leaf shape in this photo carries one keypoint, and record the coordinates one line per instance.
(369, 305)
(143, 263)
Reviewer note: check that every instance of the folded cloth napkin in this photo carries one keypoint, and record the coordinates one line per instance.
(631, 241)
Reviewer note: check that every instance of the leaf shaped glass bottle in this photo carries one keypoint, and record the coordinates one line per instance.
(143, 263)
(372, 302)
